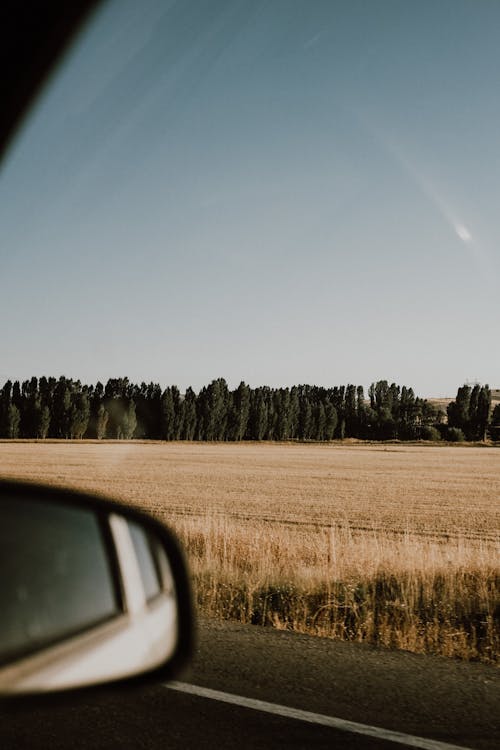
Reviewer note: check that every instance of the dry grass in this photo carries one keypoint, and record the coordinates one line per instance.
(396, 545)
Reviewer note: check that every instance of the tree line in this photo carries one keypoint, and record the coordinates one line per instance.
(67, 409)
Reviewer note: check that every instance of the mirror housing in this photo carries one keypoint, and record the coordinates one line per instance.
(91, 592)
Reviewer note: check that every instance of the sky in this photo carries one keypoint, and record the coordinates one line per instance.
(280, 192)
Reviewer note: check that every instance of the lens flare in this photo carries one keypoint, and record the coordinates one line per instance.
(463, 233)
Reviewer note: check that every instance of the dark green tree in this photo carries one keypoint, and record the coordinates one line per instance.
(178, 413)
(129, 420)
(167, 415)
(282, 408)
(189, 421)
(361, 408)
(79, 414)
(471, 428)
(147, 399)
(320, 421)
(61, 409)
(458, 410)
(494, 427)
(238, 412)
(96, 428)
(118, 397)
(305, 418)
(350, 412)
(330, 421)
(483, 412)
(10, 417)
(257, 423)
(101, 424)
(293, 413)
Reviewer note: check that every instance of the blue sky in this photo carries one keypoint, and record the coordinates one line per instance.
(276, 192)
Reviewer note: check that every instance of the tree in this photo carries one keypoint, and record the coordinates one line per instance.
(98, 418)
(394, 402)
(30, 408)
(167, 415)
(293, 413)
(101, 423)
(361, 412)
(217, 403)
(470, 411)
(10, 416)
(257, 422)
(282, 406)
(79, 413)
(238, 412)
(483, 412)
(189, 421)
(350, 412)
(472, 426)
(118, 397)
(147, 399)
(320, 421)
(42, 421)
(273, 400)
(61, 409)
(384, 404)
(212, 410)
(337, 398)
(330, 421)
(129, 420)
(178, 412)
(386, 425)
(305, 419)
(458, 410)
(13, 421)
(495, 423)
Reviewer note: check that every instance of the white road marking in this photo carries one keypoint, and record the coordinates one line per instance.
(326, 721)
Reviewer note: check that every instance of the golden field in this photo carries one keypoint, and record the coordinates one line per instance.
(389, 544)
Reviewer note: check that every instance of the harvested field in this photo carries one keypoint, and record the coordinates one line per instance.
(389, 544)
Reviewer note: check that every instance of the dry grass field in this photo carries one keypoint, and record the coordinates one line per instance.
(442, 403)
(389, 544)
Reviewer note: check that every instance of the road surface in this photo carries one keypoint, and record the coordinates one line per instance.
(443, 700)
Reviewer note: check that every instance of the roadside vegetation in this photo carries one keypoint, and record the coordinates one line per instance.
(402, 591)
(384, 544)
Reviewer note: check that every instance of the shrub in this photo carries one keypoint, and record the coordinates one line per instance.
(455, 435)
(442, 428)
(429, 433)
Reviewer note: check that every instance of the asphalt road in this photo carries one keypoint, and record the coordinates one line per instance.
(445, 700)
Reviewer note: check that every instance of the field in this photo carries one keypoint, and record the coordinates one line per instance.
(442, 403)
(388, 544)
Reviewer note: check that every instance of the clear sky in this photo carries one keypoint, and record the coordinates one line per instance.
(281, 192)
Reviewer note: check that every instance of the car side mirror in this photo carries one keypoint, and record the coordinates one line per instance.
(91, 592)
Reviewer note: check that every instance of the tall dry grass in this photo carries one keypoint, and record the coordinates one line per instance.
(397, 546)
(407, 592)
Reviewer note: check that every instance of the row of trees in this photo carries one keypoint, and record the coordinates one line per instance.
(65, 408)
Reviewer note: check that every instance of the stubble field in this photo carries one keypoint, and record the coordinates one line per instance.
(388, 544)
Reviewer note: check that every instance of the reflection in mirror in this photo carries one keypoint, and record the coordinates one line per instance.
(86, 596)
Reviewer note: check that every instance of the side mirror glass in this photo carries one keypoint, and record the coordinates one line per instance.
(90, 592)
